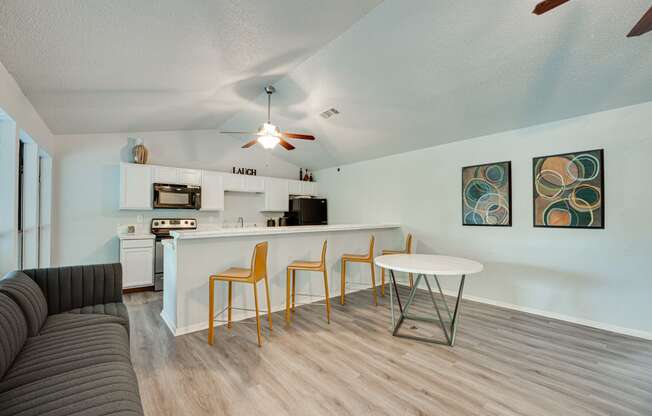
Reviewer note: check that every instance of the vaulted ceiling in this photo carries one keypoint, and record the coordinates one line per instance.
(403, 74)
(416, 74)
(125, 65)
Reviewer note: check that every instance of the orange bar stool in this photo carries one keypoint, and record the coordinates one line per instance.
(255, 274)
(407, 250)
(359, 258)
(310, 266)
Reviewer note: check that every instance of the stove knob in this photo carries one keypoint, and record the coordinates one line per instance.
(155, 223)
(185, 222)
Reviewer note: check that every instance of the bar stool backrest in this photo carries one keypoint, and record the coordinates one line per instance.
(323, 253)
(371, 246)
(259, 261)
(408, 244)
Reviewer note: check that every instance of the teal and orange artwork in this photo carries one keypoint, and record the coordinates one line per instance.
(487, 194)
(569, 190)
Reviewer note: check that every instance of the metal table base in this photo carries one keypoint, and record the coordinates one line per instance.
(449, 331)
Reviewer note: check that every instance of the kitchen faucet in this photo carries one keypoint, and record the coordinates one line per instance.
(241, 222)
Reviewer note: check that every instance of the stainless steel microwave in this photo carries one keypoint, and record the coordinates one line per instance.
(168, 196)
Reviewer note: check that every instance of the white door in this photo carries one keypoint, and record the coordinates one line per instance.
(212, 191)
(190, 177)
(276, 195)
(164, 174)
(135, 186)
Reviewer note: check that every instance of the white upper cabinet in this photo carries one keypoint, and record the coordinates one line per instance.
(190, 177)
(164, 174)
(309, 188)
(255, 184)
(295, 187)
(302, 188)
(212, 191)
(235, 183)
(276, 195)
(135, 186)
(243, 183)
(176, 176)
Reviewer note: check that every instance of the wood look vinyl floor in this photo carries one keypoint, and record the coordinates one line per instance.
(504, 363)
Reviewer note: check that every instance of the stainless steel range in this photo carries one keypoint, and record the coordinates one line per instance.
(161, 228)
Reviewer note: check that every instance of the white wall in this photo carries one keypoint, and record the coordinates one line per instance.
(17, 106)
(17, 116)
(87, 215)
(601, 276)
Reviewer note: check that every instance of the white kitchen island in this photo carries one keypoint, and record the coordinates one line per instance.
(192, 256)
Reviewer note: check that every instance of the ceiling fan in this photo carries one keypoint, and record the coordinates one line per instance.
(268, 134)
(643, 26)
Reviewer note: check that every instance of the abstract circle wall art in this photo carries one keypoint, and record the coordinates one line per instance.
(569, 190)
(487, 194)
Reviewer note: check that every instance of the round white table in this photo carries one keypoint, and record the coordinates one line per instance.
(425, 265)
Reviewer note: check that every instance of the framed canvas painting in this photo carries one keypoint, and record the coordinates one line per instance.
(487, 194)
(569, 190)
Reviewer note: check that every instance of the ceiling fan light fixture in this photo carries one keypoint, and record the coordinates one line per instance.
(268, 129)
(268, 141)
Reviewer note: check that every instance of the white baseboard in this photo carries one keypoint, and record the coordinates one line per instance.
(168, 323)
(539, 312)
(560, 317)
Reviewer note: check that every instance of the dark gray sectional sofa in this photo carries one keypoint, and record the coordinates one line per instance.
(64, 343)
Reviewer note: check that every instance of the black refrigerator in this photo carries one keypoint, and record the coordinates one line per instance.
(308, 211)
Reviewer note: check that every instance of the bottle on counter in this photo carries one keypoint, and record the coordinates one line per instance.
(311, 179)
(300, 174)
(306, 177)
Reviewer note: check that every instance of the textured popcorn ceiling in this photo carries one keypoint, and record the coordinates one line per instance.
(405, 75)
(123, 65)
(418, 73)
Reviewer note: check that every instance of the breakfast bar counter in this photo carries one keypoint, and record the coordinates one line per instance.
(192, 256)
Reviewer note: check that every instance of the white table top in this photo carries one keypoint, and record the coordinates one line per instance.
(428, 264)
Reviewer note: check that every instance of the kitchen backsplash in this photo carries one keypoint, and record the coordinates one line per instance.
(236, 204)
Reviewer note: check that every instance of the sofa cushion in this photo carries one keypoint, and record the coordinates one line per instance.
(13, 332)
(113, 309)
(65, 351)
(66, 321)
(28, 295)
(100, 389)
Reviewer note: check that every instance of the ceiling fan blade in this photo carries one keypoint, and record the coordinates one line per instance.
(238, 132)
(249, 144)
(298, 136)
(285, 144)
(547, 5)
(643, 26)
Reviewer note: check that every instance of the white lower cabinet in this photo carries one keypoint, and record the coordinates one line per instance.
(137, 258)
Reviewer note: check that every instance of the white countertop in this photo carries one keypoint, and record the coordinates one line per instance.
(135, 236)
(241, 232)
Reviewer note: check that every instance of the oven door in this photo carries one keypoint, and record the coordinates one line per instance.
(176, 196)
(158, 263)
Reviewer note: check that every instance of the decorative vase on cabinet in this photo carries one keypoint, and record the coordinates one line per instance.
(140, 152)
